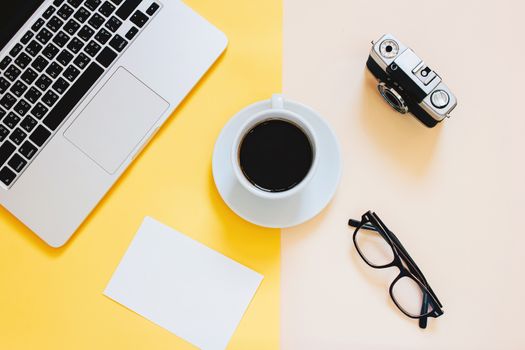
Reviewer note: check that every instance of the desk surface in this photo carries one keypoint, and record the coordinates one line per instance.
(52, 299)
(454, 195)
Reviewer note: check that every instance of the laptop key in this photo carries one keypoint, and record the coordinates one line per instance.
(7, 101)
(61, 39)
(75, 3)
(54, 23)
(65, 57)
(82, 61)
(116, 2)
(71, 27)
(139, 19)
(18, 88)
(118, 43)
(22, 107)
(106, 57)
(127, 8)
(17, 136)
(50, 98)
(17, 163)
(65, 12)
(86, 33)
(12, 73)
(40, 136)
(75, 45)
(82, 15)
(50, 51)
(44, 36)
(7, 176)
(103, 36)
(5, 62)
(22, 60)
(54, 70)
(113, 24)
(28, 123)
(40, 63)
(96, 20)
(29, 76)
(6, 150)
(92, 4)
(71, 73)
(152, 9)
(27, 150)
(106, 9)
(48, 12)
(39, 111)
(92, 48)
(38, 24)
(60, 85)
(32, 95)
(33, 48)
(75, 93)
(4, 85)
(27, 36)
(43, 82)
(131, 33)
(15, 50)
(3, 132)
(11, 120)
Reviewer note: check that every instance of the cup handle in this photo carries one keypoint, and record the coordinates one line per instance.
(277, 101)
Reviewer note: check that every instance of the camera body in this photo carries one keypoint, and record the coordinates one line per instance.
(407, 83)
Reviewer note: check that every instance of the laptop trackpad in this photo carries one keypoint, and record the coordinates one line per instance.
(116, 120)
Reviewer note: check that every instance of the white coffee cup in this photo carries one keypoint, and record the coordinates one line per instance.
(279, 112)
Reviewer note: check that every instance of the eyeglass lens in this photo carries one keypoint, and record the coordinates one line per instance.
(374, 248)
(408, 295)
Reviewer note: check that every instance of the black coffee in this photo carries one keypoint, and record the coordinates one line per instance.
(275, 155)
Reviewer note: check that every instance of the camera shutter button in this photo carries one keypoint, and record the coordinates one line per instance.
(440, 98)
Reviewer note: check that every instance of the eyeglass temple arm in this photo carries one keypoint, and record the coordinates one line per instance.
(357, 223)
(424, 308)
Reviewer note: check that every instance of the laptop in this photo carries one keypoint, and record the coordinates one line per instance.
(84, 86)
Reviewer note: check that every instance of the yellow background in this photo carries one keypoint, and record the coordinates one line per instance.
(52, 299)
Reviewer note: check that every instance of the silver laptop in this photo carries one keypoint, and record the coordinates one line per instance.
(84, 85)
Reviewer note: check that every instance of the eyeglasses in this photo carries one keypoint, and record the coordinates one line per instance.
(380, 249)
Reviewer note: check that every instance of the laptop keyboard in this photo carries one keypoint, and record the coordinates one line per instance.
(54, 65)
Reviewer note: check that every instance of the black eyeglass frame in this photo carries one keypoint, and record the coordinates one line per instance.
(371, 221)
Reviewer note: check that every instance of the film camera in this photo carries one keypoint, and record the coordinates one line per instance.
(407, 83)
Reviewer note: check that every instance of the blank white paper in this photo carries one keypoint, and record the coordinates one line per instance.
(183, 286)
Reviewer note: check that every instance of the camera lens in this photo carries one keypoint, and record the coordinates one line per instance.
(393, 98)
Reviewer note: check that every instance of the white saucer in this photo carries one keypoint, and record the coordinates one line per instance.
(284, 212)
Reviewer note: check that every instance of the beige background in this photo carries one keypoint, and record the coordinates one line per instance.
(455, 195)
